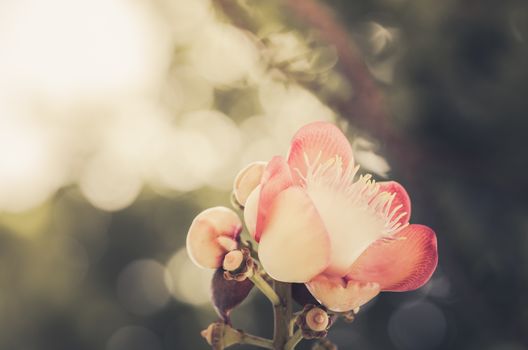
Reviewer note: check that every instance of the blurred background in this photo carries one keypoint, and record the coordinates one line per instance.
(122, 119)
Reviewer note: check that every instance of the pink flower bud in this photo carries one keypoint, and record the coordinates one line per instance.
(247, 180)
(212, 234)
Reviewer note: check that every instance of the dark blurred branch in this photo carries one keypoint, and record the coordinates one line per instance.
(367, 106)
(366, 109)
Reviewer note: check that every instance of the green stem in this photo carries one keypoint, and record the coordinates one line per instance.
(282, 314)
(265, 288)
(294, 340)
(292, 325)
(256, 341)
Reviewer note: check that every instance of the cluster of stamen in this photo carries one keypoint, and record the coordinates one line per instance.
(361, 190)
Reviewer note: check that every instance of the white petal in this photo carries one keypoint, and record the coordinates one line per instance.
(247, 180)
(251, 210)
(340, 295)
(352, 227)
(294, 246)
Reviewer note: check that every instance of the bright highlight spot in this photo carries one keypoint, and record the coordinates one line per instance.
(73, 48)
(30, 165)
(224, 55)
(109, 184)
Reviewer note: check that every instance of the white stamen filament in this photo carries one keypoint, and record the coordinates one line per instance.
(364, 193)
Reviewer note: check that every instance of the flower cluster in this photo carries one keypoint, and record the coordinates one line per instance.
(316, 221)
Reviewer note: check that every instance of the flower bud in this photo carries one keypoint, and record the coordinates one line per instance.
(226, 294)
(317, 319)
(247, 180)
(238, 265)
(207, 333)
(314, 322)
(213, 233)
(220, 335)
(233, 260)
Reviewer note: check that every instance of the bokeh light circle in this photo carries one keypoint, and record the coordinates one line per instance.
(134, 338)
(141, 287)
(186, 282)
(418, 326)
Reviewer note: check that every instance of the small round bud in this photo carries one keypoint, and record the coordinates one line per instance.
(220, 335)
(317, 319)
(314, 322)
(233, 260)
(207, 333)
(238, 265)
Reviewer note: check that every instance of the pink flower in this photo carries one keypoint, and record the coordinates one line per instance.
(345, 236)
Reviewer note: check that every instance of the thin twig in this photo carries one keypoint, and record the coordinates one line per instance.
(282, 314)
(265, 288)
(251, 339)
(294, 340)
(291, 326)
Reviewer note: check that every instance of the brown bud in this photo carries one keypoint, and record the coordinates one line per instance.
(233, 260)
(220, 335)
(238, 265)
(317, 319)
(228, 294)
(207, 333)
(314, 322)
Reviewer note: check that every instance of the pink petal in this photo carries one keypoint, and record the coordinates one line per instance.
(405, 263)
(294, 246)
(402, 198)
(247, 180)
(212, 234)
(340, 295)
(321, 140)
(276, 178)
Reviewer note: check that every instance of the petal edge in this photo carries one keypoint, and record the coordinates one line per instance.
(314, 138)
(401, 198)
(403, 264)
(247, 180)
(275, 179)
